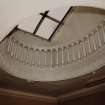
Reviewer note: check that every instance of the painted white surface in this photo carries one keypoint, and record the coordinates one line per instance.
(46, 29)
(29, 24)
(12, 11)
(58, 13)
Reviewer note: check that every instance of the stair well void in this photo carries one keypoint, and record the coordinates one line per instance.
(77, 49)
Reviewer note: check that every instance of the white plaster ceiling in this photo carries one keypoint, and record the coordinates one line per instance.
(12, 11)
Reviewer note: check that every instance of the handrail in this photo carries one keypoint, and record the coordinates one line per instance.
(57, 56)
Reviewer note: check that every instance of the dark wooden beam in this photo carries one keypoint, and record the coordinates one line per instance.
(51, 18)
(37, 97)
(40, 22)
(62, 21)
(82, 92)
(9, 34)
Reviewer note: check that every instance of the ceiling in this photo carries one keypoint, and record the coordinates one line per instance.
(13, 11)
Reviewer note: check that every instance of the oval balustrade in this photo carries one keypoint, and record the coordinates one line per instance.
(57, 56)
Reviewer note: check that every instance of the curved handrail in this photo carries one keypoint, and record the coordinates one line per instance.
(57, 56)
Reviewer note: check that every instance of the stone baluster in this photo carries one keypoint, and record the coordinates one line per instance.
(15, 49)
(89, 43)
(84, 49)
(33, 56)
(45, 58)
(70, 59)
(30, 56)
(42, 58)
(94, 41)
(9, 45)
(73, 51)
(12, 48)
(98, 35)
(25, 55)
(51, 57)
(38, 58)
(54, 57)
(21, 53)
(60, 56)
(78, 49)
(65, 55)
(48, 57)
(103, 30)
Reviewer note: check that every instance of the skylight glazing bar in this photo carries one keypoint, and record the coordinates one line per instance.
(40, 22)
(60, 22)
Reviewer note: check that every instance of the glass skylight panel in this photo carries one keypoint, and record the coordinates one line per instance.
(51, 22)
(47, 28)
(45, 24)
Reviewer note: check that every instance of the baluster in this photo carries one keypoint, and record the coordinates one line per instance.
(42, 58)
(21, 53)
(84, 49)
(65, 55)
(32, 56)
(101, 34)
(78, 48)
(29, 56)
(12, 48)
(73, 52)
(81, 49)
(68, 55)
(38, 58)
(89, 43)
(25, 54)
(51, 57)
(48, 57)
(9, 45)
(15, 49)
(54, 57)
(103, 29)
(57, 56)
(94, 41)
(61, 50)
(18, 52)
(70, 59)
(4, 44)
(45, 57)
(60, 56)
(98, 35)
